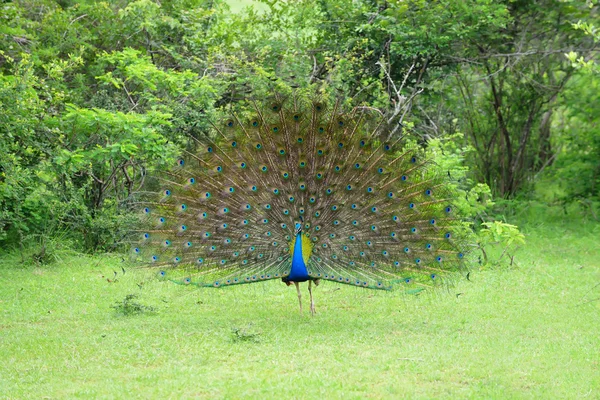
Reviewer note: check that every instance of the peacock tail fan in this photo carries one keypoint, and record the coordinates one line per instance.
(300, 182)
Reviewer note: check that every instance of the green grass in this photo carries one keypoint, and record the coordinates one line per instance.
(530, 331)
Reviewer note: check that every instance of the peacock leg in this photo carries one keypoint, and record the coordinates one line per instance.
(312, 303)
(299, 294)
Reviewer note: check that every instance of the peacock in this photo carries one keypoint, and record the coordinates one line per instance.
(300, 189)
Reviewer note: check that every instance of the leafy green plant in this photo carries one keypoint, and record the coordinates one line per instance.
(130, 306)
(499, 235)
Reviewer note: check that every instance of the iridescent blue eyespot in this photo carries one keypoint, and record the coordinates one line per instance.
(406, 250)
(380, 170)
(167, 192)
(428, 246)
(181, 162)
(432, 222)
(448, 235)
(390, 195)
(413, 230)
(254, 188)
(369, 190)
(438, 259)
(393, 234)
(428, 192)
(146, 210)
(233, 144)
(373, 209)
(460, 255)
(349, 187)
(448, 209)
(219, 169)
(413, 160)
(395, 218)
(243, 165)
(411, 205)
(355, 222)
(334, 207)
(357, 166)
(354, 206)
(373, 228)
(264, 168)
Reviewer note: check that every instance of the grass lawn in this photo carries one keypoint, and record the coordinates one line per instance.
(530, 331)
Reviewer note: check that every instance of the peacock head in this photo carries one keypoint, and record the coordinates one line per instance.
(298, 229)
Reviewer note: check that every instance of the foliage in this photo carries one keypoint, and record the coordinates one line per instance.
(94, 93)
(130, 306)
(500, 234)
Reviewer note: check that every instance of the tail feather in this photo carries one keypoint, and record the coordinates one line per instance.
(375, 214)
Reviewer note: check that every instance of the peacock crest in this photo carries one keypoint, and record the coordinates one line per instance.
(300, 191)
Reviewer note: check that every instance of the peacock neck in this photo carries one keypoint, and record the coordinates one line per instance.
(298, 271)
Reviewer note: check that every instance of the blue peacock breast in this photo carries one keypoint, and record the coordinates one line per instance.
(298, 271)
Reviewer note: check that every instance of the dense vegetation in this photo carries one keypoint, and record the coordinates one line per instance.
(502, 94)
